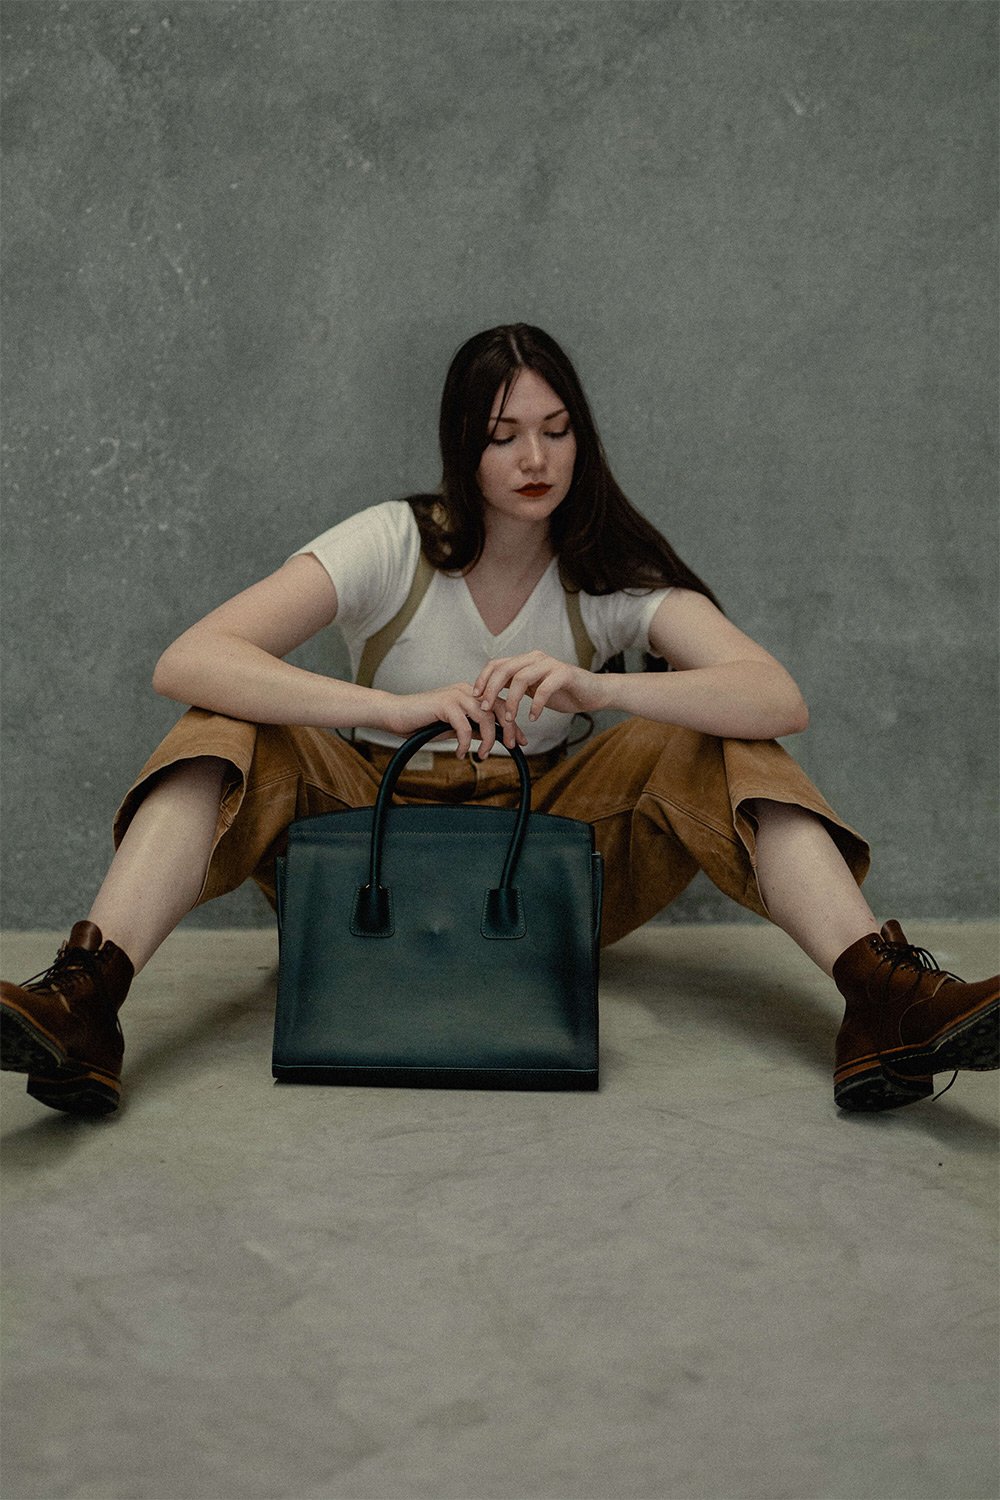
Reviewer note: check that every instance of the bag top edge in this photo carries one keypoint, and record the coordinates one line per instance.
(428, 820)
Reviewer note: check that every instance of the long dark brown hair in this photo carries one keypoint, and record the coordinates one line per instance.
(602, 542)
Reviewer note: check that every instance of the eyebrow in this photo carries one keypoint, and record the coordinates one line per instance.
(550, 418)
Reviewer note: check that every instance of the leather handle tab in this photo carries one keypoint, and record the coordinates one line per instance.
(503, 914)
(371, 909)
(372, 914)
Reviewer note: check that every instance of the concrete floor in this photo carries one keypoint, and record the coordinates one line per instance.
(702, 1281)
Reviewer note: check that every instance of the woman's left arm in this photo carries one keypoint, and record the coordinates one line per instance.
(724, 683)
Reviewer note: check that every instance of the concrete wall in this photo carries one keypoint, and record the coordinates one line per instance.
(244, 239)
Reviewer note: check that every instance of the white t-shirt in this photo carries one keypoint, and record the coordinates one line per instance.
(371, 559)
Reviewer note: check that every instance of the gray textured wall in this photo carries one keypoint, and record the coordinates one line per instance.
(243, 240)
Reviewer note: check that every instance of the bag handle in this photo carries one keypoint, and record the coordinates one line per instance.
(502, 915)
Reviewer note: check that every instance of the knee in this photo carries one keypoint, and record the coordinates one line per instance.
(648, 755)
(647, 738)
(276, 752)
(648, 743)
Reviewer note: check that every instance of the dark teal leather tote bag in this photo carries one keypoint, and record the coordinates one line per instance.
(442, 946)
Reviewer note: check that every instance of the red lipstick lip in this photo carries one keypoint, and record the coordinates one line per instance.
(534, 490)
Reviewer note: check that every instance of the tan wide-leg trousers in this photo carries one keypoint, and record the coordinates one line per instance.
(664, 801)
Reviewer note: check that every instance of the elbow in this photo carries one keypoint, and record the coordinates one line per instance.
(165, 681)
(798, 718)
(161, 677)
(781, 707)
(787, 705)
(800, 723)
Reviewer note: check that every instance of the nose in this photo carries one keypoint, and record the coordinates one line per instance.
(532, 454)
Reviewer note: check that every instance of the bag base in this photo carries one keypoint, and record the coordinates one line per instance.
(536, 1079)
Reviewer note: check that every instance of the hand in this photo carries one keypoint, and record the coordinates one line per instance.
(549, 682)
(456, 705)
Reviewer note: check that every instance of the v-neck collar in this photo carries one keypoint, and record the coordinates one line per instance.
(474, 607)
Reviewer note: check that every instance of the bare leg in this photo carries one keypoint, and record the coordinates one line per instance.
(157, 873)
(806, 885)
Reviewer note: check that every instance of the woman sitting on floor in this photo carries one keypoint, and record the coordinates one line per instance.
(510, 588)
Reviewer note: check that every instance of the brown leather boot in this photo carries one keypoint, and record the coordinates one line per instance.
(61, 1027)
(907, 1019)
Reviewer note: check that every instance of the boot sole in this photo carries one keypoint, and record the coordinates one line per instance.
(53, 1078)
(25, 1047)
(875, 1089)
(86, 1093)
(973, 1045)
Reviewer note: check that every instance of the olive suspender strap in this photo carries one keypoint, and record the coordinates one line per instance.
(581, 640)
(377, 648)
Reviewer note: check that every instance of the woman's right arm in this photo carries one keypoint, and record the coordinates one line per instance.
(231, 663)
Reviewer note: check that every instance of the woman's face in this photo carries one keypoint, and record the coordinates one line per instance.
(527, 465)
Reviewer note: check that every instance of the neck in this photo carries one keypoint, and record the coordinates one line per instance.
(517, 545)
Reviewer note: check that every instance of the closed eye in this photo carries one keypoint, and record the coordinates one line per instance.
(499, 442)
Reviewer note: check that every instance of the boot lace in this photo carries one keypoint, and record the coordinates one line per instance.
(909, 956)
(71, 966)
(936, 1097)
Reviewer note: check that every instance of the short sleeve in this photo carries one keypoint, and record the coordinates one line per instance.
(620, 621)
(371, 558)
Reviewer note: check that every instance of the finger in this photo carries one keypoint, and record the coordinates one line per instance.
(479, 686)
(544, 691)
(463, 731)
(511, 729)
(514, 735)
(476, 725)
(487, 732)
(494, 718)
(522, 682)
(496, 680)
(511, 733)
(503, 671)
(495, 673)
